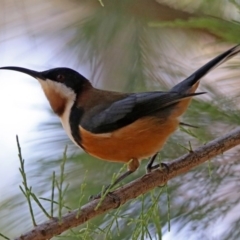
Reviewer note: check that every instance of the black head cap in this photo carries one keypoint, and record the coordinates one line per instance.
(66, 76)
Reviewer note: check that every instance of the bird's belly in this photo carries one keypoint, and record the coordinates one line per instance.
(139, 140)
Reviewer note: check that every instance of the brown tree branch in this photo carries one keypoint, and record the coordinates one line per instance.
(135, 188)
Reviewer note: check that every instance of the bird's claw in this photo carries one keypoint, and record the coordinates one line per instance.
(159, 165)
(164, 165)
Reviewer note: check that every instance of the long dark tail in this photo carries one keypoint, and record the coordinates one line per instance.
(186, 84)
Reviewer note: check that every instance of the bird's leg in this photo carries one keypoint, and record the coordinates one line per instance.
(132, 167)
(187, 125)
(150, 166)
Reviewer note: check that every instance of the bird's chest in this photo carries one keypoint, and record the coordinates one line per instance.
(138, 140)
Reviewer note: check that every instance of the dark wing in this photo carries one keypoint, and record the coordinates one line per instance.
(131, 108)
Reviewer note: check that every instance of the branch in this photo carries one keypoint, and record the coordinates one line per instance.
(135, 188)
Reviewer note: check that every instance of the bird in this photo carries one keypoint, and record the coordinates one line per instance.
(115, 126)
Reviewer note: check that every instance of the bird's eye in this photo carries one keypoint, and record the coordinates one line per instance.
(60, 77)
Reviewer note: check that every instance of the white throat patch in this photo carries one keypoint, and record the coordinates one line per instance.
(58, 87)
(50, 87)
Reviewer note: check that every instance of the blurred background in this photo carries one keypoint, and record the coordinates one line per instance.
(127, 45)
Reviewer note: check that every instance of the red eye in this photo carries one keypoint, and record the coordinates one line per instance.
(60, 77)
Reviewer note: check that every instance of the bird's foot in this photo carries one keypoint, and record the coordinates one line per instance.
(159, 165)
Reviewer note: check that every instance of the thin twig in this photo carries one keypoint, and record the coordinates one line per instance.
(52, 195)
(26, 191)
(60, 185)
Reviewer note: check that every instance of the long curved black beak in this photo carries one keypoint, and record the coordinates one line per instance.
(32, 73)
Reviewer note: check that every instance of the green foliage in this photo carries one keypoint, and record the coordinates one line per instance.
(27, 191)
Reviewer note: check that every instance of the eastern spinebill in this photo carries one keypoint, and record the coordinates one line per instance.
(114, 126)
